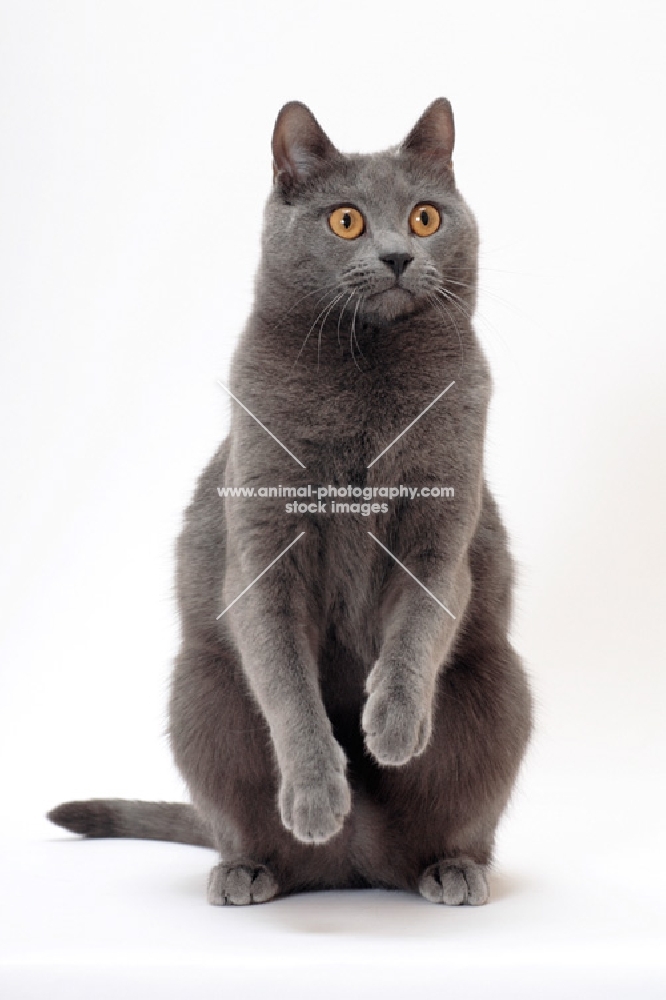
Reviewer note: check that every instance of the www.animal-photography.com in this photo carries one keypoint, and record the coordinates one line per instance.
(332, 580)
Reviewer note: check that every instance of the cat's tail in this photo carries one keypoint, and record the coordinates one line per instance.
(174, 821)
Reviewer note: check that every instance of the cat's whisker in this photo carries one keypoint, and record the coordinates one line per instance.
(438, 305)
(307, 336)
(448, 280)
(323, 322)
(502, 270)
(324, 289)
(448, 298)
(457, 303)
(345, 304)
(360, 301)
(483, 290)
(453, 296)
(352, 332)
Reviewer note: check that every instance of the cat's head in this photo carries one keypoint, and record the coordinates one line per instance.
(387, 231)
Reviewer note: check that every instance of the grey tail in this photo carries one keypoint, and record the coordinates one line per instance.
(174, 821)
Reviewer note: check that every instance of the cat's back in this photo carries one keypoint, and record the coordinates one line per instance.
(201, 550)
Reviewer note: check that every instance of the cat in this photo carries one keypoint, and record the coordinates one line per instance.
(346, 707)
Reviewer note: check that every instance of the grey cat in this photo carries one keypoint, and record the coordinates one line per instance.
(346, 708)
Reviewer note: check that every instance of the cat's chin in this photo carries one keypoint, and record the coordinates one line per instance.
(392, 303)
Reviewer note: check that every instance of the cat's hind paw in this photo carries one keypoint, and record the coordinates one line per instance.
(455, 881)
(240, 883)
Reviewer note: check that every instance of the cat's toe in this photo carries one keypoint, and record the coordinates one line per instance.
(455, 881)
(315, 810)
(395, 728)
(240, 883)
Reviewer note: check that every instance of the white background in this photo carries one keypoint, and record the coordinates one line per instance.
(135, 161)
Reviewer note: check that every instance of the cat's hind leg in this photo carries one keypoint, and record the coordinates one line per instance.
(440, 810)
(222, 746)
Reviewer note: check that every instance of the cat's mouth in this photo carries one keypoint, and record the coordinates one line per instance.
(390, 303)
(396, 290)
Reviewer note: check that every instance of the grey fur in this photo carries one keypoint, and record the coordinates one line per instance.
(240, 883)
(175, 821)
(455, 881)
(335, 725)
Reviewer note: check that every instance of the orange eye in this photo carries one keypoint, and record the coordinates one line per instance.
(424, 220)
(346, 222)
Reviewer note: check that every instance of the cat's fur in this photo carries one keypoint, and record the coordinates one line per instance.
(336, 727)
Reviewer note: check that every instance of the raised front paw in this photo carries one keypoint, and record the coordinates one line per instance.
(397, 720)
(315, 801)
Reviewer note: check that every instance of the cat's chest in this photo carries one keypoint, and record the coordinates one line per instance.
(351, 572)
(338, 398)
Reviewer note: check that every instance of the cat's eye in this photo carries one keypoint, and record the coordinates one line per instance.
(424, 220)
(346, 222)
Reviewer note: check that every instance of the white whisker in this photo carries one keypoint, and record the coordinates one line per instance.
(439, 304)
(321, 325)
(307, 336)
(351, 296)
(352, 333)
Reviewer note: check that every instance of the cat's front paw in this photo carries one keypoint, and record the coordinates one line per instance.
(397, 721)
(314, 803)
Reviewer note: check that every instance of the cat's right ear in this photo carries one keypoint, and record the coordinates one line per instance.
(300, 146)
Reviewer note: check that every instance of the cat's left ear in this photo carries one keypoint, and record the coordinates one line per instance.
(300, 146)
(433, 135)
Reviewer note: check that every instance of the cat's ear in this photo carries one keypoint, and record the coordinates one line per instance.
(433, 135)
(300, 146)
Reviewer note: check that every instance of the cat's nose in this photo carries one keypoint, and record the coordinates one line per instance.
(397, 261)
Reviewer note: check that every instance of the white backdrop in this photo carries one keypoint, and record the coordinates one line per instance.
(134, 165)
